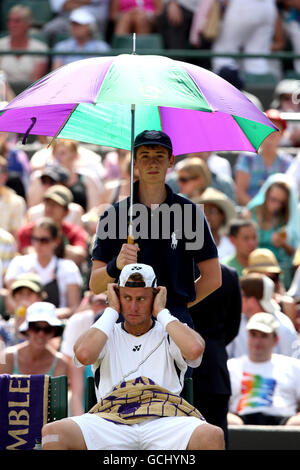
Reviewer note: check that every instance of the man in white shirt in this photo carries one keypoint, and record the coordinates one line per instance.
(257, 296)
(144, 356)
(265, 386)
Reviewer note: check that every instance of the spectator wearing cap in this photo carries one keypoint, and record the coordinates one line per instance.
(83, 38)
(60, 277)
(36, 355)
(265, 385)
(52, 174)
(172, 258)
(57, 199)
(252, 170)
(24, 291)
(257, 296)
(264, 261)
(62, 9)
(12, 206)
(219, 211)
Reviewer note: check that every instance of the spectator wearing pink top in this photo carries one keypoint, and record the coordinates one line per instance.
(134, 16)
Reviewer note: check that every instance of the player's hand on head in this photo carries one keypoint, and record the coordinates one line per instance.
(128, 255)
(113, 297)
(160, 300)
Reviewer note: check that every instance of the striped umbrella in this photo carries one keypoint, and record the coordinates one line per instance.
(109, 100)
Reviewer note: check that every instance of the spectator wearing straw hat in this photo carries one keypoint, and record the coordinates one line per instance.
(219, 211)
(264, 261)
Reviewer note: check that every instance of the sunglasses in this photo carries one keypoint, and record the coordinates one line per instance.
(185, 179)
(42, 240)
(37, 328)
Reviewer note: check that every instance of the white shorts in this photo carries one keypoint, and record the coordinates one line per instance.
(170, 433)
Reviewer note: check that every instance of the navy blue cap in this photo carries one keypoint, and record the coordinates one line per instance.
(153, 138)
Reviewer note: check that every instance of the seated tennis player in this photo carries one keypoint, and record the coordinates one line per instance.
(139, 368)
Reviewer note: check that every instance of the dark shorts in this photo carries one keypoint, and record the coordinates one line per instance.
(263, 419)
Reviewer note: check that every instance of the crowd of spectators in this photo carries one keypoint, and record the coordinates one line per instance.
(83, 27)
(50, 201)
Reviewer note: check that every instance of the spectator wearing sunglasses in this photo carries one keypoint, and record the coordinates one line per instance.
(57, 199)
(36, 354)
(60, 277)
(193, 177)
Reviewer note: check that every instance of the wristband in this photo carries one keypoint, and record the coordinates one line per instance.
(111, 268)
(107, 321)
(164, 317)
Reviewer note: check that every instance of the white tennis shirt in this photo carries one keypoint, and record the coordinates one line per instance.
(153, 355)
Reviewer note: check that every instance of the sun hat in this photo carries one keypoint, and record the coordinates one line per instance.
(153, 138)
(60, 194)
(30, 280)
(219, 199)
(262, 260)
(265, 322)
(146, 271)
(42, 311)
(81, 16)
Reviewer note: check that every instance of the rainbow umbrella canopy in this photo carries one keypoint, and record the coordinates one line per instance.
(109, 100)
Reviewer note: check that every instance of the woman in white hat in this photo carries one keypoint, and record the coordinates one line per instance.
(36, 355)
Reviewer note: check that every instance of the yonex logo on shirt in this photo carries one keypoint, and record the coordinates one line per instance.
(137, 348)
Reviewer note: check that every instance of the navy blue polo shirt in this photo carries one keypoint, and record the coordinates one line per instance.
(170, 250)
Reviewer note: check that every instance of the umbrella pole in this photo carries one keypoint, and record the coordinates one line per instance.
(130, 238)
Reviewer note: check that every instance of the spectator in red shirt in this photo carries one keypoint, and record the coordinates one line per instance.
(57, 199)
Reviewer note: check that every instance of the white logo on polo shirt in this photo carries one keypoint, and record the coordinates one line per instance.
(174, 241)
